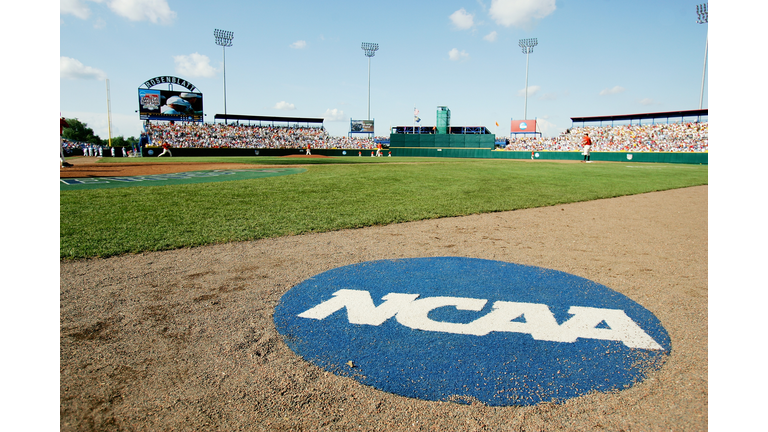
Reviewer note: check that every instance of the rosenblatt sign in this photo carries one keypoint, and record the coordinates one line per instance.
(169, 80)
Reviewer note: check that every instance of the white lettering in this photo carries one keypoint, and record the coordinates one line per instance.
(584, 324)
(360, 308)
(538, 321)
(414, 314)
(530, 318)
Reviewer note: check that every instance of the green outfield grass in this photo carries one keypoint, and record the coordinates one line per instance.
(338, 193)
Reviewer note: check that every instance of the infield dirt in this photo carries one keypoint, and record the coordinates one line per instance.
(184, 339)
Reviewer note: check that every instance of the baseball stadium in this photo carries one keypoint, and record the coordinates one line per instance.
(253, 271)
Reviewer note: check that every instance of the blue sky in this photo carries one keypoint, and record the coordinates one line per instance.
(303, 59)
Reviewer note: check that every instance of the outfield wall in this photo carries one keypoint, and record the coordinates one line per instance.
(654, 157)
(450, 152)
(482, 146)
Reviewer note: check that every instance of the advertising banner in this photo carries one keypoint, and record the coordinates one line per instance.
(523, 126)
(361, 126)
(170, 105)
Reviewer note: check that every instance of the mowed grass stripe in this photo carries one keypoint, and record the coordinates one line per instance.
(101, 223)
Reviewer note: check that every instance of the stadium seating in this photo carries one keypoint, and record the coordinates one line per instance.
(672, 137)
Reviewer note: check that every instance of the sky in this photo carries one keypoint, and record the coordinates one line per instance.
(304, 59)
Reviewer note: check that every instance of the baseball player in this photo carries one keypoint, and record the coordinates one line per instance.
(166, 149)
(587, 143)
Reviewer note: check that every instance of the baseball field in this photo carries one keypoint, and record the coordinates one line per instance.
(169, 283)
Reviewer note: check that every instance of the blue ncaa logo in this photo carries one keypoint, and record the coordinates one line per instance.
(523, 126)
(471, 330)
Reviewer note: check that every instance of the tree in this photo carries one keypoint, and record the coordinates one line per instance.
(132, 141)
(79, 131)
(119, 141)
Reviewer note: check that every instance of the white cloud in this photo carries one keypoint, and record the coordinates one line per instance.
(285, 106)
(194, 65)
(547, 128)
(144, 10)
(75, 7)
(491, 37)
(610, 91)
(334, 115)
(520, 12)
(457, 55)
(462, 20)
(532, 90)
(74, 69)
(299, 44)
(135, 10)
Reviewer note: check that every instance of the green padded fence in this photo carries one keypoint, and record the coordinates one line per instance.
(442, 141)
(653, 157)
(482, 146)
(468, 152)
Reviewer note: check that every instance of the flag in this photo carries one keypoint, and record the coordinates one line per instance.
(497, 124)
(415, 112)
(416, 119)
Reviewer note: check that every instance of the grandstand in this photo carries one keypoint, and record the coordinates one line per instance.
(295, 122)
(691, 115)
(677, 132)
(648, 132)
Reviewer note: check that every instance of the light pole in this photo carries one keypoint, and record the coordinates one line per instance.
(527, 46)
(224, 39)
(370, 51)
(701, 10)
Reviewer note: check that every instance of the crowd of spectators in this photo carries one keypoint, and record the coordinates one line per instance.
(95, 150)
(221, 135)
(672, 137)
(87, 149)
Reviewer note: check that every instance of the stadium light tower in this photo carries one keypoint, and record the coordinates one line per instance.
(370, 51)
(224, 39)
(701, 11)
(527, 46)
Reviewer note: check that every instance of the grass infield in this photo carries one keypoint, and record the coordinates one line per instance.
(338, 193)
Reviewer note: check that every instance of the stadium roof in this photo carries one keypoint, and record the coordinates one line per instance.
(630, 117)
(268, 119)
